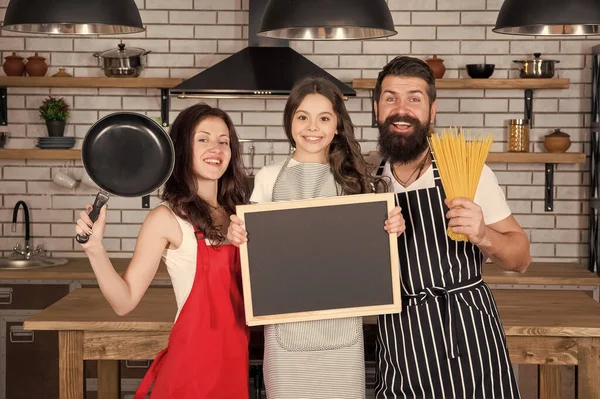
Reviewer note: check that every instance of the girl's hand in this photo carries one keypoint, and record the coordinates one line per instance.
(95, 231)
(395, 223)
(236, 233)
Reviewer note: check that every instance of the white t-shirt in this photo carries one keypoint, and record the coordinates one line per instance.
(489, 196)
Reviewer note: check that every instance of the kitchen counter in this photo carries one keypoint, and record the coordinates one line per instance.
(549, 328)
(539, 273)
(75, 269)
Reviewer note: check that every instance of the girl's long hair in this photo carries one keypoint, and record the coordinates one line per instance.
(181, 189)
(345, 159)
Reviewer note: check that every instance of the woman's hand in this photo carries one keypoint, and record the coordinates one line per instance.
(236, 233)
(95, 231)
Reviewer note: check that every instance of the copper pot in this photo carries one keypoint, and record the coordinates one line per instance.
(14, 65)
(36, 65)
(437, 66)
(557, 141)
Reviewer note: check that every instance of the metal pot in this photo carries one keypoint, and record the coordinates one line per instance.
(122, 62)
(537, 68)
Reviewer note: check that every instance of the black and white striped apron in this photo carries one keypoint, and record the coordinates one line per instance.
(448, 341)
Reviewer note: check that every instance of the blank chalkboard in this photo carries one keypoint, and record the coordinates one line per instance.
(319, 259)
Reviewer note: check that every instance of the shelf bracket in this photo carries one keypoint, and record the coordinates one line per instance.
(3, 106)
(146, 201)
(373, 115)
(549, 194)
(165, 106)
(529, 106)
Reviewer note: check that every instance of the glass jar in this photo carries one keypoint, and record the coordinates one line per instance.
(518, 135)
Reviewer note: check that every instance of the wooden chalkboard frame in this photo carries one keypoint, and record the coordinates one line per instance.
(371, 310)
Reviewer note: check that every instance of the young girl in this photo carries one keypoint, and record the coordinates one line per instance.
(207, 354)
(324, 358)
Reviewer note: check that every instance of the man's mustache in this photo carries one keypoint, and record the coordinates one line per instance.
(400, 118)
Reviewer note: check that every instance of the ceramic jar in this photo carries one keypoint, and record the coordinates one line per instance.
(557, 141)
(62, 74)
(14, 65)
(437, 66)
(36, 65)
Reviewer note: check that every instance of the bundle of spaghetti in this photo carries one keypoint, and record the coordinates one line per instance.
(459, 159)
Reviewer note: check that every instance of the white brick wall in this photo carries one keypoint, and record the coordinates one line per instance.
(186, 36)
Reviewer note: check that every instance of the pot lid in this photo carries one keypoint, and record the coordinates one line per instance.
(557, 133)
(13, 56)
(122, 52)
(536, 59)
(434, 59)
(36, 57)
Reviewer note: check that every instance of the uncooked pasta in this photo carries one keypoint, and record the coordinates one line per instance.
(460, 158)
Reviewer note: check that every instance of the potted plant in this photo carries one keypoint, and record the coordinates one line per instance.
(55, 112)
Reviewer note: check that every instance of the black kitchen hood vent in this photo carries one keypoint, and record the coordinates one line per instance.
(267, 67)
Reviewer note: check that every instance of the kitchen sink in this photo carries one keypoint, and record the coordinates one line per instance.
(33, 263)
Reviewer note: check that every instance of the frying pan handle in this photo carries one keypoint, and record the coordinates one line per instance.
(99, 202)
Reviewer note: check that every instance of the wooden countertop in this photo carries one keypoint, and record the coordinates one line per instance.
(75, 269)
(86, 309)
(523, 313)
(542, 273)
(539, 273)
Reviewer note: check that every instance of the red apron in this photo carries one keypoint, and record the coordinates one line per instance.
(207, 354)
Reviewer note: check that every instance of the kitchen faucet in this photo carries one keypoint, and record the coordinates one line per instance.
(26, 252)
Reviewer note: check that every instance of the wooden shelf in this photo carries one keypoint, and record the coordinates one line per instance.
(26, 153)
(93, 82)
(535, 157)
(552, 83)
(493, 157)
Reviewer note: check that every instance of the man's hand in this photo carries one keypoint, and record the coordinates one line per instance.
(466, 218)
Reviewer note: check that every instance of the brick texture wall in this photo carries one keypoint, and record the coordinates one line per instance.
(186, 36)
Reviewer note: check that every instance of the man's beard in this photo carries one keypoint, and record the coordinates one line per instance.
(399, 147)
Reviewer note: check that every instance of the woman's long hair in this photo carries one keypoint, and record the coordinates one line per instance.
(181, 189)
(345, 159)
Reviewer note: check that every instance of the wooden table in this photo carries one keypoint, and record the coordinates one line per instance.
(544, 275)
(554, 328)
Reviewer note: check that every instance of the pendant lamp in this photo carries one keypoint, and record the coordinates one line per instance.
(73, 17)
(549, 17)
(327, 20)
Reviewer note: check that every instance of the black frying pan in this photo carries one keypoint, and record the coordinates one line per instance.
(128, 155)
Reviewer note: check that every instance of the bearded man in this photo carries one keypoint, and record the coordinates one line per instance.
(448, 341)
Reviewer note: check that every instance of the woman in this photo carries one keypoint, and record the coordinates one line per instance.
(207, 354)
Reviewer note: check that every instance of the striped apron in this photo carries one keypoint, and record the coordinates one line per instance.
(320, 359)
(448, 341)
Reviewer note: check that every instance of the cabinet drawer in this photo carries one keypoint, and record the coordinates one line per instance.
(31, 362)
(31, 296)
(94, 395)
(128, 368)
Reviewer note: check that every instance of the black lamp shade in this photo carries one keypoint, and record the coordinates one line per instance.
(549, 17)
(73, 17)
(327, 20)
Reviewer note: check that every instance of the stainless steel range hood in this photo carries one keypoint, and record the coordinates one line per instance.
(266, 68)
